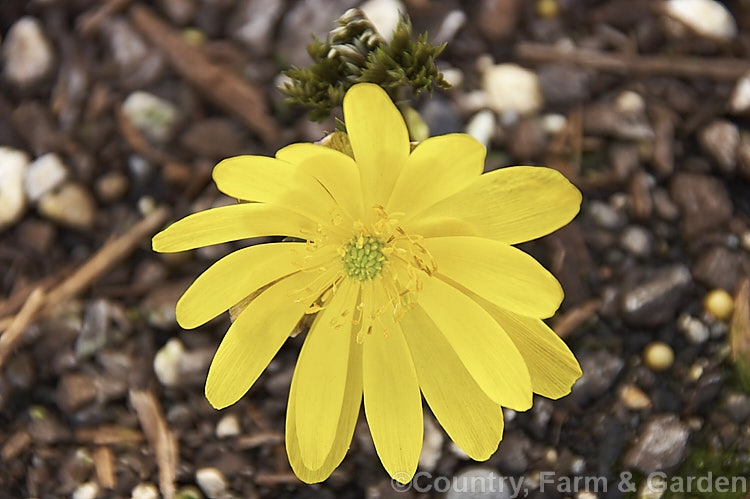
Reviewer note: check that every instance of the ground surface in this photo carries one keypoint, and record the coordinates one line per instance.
(650, 132)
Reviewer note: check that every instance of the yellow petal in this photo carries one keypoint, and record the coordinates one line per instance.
(320, 376)
(273, 181)
(502, 274)
(440, 166)
(239, 274)
(512, 205)
(471, 419)
(231, 223)
(552, 366)
(393, 404)
(254, 338)
(484, 348)
(336, 171)
(346, 422)
(379, 139)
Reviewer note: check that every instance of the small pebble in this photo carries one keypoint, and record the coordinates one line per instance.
(629, 102)
(45, 174)
(695, 331)
(384, 15)
(88, 490)
(211, 481)
(454, 76)
(739, 102)
(71, 205)
(13, 166)
(707, 18)
(658, 356)
(145, 490)
(153, 116)
(721, 139)
(449, 28)
(554, 123)
(112, 186)
(696, 371)
(547, 9)
(26, 53)
(228, 426)
(719, 303)
(605, 216)
(482, 126)
(510, 87)
(636, 241)
(167, 362)
(634, 398)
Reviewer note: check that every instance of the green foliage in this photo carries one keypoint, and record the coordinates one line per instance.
(355, 53)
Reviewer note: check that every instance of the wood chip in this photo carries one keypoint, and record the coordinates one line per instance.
(219, 84)
(108, 435)
(104, 464)
(259, 440)
(574, 318)
(15, 445)
(160, 437)
(276, 479)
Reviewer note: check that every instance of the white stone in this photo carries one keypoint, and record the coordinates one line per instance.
(228, 426)
(739, 102)
(13, 166)
(454, 76)
(432, 446)
(707, 18)
(693, 328)
(71, 205)
(45, 174)
(27, 53)
(554, 123)
(452, 24)
(167, 362)
(629, 102)
(384, 15)
(145, 490)
(88, 490)
(510, 87)
(482, 126)
(153, 116)
(211, 481)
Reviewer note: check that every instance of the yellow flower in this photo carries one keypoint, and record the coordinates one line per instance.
(409, 267)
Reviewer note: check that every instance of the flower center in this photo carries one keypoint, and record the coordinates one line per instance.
(364, 258)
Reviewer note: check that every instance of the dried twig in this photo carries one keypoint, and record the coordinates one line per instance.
(220, 84)
(259, 440)
(714, 68)
(38, 303)
(104, 259)
(20, 322)
(90, 22)
(11, 304)
(161, 438)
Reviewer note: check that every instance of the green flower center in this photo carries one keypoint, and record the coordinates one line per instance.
(363, 257)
